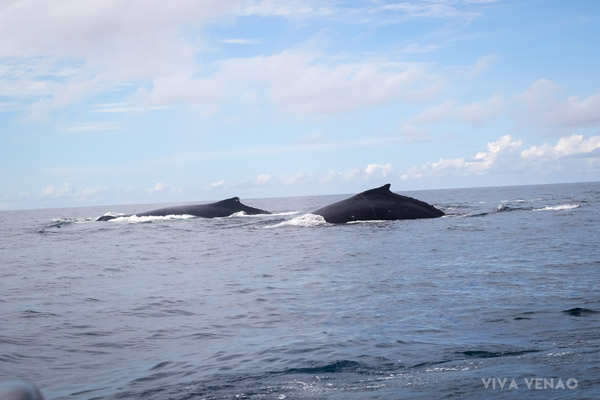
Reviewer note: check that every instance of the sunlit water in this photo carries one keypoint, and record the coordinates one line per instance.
(285, 306)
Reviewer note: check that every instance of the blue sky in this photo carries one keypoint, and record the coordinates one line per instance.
(118, 101)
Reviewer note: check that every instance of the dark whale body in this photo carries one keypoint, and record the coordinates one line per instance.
(223, 208)
(377, 204)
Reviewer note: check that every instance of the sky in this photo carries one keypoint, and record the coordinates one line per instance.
(147, 101)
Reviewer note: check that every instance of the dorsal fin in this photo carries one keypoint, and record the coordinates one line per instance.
(383, 189)
(230, 200)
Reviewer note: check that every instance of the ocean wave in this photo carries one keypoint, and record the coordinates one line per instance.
(58, 222)
(243, 214)
(506, 208)
(558, 208)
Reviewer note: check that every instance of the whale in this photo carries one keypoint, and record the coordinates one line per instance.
(375, 205)
(223, 208)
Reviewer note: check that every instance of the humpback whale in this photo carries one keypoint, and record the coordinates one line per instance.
(377, 204)
(223, 208)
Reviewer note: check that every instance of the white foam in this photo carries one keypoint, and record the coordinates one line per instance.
(72, 220)
(286, 213)
(112, 214)
(306, 220)
(559, 354)
(134, 219)
(558, 208)
(243, 214)
(238, 214)
(370, 221)
(442, 369)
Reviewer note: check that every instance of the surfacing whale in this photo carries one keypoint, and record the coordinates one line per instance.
(377, 204)
(223, 208)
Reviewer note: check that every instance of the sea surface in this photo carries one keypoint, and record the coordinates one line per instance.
(498, 299)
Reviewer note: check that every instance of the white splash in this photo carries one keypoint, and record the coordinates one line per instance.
(134, 219)
(243, 214)
(306, 220)
(558, 208)
(369, 221)
(61, 221)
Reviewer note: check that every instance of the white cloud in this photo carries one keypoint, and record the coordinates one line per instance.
(24, 78)
(475, 113)
(180, 89)
(95, 48)
(88, 49)
(92, 48)
(304, 83)
(503, 144)
(570, 146)
(111, 33)
(285, 8)
(500, 155)
(218, 184)
(306, 145)
(540, 93)
(296, 178)
(543, 106)
(414, 133)
(430, 9)
(263, 179)
(380, 170)
(332, 177)
(505, 156)
(63, 95)
(298, 81)
(483, 64)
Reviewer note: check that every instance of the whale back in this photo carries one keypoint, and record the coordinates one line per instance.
(377, 204)
(234, 205)
(223, 208)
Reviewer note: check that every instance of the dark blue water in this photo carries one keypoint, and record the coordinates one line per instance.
(505, 288)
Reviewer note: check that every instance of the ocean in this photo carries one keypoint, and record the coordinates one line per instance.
(498, 299)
